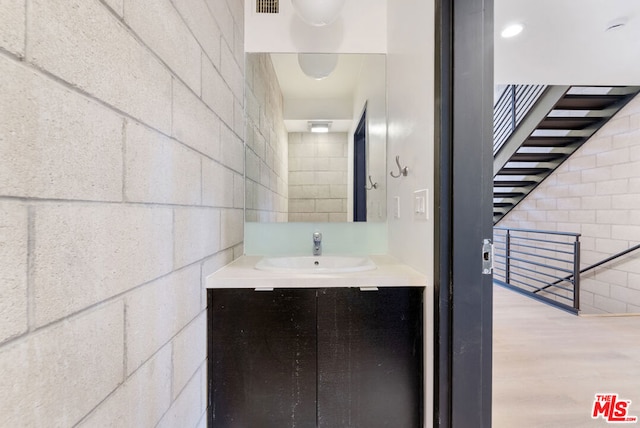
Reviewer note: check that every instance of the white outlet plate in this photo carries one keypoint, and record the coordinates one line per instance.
(396, 207)
(421, 205)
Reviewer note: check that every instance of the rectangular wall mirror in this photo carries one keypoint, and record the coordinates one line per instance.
(316, 134)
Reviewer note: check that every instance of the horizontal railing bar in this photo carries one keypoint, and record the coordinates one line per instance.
(521, 275)
(538, 297)
(538, 272)
(600, 263)
(551, 276)
(542, 256)
(546, 291)
(542, 248)
(524, 238)
(538, 264)
(549, 232)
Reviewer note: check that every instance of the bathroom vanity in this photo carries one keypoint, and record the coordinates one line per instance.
(295, 349)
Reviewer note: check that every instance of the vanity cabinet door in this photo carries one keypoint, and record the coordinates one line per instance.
(370, 358)
(262, 358)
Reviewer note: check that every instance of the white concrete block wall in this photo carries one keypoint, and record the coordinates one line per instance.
(266, 140)
(121, 189)
(596, 192)
(318, 177)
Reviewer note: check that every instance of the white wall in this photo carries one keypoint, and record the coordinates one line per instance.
(371, 91)
(361, 28)
(121, 180)
(410, 86)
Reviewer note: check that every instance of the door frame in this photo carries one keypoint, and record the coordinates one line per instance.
(463, 212)
(360, 169)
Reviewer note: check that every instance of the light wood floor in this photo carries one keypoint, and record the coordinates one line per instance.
(548, 364)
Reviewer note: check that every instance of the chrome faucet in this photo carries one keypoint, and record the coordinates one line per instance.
(317, 243)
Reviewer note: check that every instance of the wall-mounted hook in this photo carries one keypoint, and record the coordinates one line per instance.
(373, 185)
(401, 170)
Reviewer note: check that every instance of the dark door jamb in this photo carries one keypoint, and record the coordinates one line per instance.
(463, 212)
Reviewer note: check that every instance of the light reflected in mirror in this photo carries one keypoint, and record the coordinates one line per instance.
(295, 175)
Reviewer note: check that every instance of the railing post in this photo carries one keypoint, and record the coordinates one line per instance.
(513, 108)
(507, 257)
(576, 274)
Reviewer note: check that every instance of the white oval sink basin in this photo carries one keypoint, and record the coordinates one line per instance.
(316, 264)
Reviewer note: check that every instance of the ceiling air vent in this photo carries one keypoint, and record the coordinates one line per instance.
(267, 6)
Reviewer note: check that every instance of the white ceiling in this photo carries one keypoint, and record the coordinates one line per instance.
(295, 84)
(308, 99)
(565, 42)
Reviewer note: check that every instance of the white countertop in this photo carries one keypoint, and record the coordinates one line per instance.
(242, 274)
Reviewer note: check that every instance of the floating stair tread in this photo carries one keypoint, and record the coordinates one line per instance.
(542, 141)
(523, 171)
(588, 102)
(536, 157)
(508, 194)
(557, 122)
(513, 183)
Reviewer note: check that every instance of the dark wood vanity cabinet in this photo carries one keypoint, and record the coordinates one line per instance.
(330, 358)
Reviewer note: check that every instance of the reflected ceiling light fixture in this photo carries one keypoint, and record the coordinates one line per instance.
(318, 12)
(317, 126)
(317, 66)
(512, 30)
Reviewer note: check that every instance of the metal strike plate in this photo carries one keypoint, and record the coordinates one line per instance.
(487, 257)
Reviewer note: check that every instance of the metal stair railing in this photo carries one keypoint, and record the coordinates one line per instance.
(512, 106)
(541, 264)
(595, 265)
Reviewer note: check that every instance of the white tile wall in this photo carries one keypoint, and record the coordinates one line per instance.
(266, 139)
(12, 31)
(160, 27)
(57, 375)
(13, 276)
(70, 43)
(160, 169)
(121, 139)
(49, 149)
(318, 177)
(158, 311)
(131, 405)
(83, 254)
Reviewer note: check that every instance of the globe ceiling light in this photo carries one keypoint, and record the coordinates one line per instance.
(317, 66)
(318, 12)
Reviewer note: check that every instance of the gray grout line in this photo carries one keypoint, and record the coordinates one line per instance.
(125, 361)
(91, 98)
(31, 299)
(158, 205)
(107, 301)
(27, 10)
(123, 151)
(173, 239)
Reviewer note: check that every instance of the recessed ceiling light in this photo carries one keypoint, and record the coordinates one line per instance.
(319, 126)
(512, 30)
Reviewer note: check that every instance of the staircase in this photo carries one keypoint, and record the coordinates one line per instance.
(536, 128)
